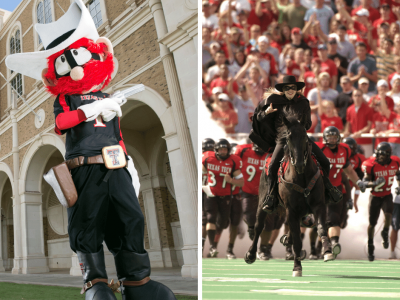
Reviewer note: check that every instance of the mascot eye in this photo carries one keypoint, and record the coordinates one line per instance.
(81, 56)
(62, 66)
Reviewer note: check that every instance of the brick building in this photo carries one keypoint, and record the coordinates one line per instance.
(155, 43)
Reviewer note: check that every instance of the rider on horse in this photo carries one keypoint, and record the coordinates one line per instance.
(266, 121)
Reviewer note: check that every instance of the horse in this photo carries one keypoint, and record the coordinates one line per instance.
(299, 202)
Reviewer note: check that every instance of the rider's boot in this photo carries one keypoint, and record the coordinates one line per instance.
(331, 192)
(271, 201)
(95, 276)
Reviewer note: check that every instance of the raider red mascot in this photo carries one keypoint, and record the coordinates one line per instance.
(75, 66)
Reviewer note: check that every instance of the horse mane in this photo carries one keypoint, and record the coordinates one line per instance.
(292, 116)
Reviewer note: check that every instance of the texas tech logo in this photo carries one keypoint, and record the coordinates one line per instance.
(113, 154)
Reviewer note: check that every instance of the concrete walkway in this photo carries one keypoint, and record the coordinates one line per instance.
(60, 277)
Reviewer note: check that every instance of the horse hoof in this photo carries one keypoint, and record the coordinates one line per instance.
(329, 257)
(284, 240)
(250, 258)
(303, 254)
(297, 273)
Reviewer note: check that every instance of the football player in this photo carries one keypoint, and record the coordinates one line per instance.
(379, 174)
(224, 179)
(356, 160)
(253, 159)
(339, 157)
(207, 149)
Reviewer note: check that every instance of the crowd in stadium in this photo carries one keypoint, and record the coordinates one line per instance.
(348, 55)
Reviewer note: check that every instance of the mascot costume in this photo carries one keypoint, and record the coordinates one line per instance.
(75, 65)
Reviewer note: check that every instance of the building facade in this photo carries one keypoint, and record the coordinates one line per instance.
(155, 44)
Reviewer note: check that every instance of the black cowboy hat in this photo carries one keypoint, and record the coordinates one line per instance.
(289, 80)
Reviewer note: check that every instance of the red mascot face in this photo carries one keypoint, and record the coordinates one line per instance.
(83, 67)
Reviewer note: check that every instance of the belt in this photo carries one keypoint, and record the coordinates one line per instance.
(82, 160)
(89, 284)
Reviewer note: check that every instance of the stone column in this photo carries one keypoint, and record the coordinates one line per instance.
(188, 170)
(155, 251)
(17, 269)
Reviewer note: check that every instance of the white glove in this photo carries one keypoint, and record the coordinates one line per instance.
(93, 110)
(134, 175)
(118, 98)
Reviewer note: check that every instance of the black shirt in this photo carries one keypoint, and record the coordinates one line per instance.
(87, 138)
(343, 101)
(265, 127)
(343, 63)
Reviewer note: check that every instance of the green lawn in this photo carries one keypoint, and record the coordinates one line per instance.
(336, 280)
(13, 291)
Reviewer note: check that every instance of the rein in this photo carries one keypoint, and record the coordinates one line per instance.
(293, 186)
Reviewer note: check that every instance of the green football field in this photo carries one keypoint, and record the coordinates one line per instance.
(339, 279)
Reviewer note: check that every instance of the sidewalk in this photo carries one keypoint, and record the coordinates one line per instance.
(60, 277)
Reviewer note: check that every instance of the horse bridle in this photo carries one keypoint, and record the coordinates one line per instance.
(290, 153)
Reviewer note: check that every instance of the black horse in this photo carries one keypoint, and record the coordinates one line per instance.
(301, 190)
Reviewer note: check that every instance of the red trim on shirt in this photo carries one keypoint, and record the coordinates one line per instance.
(69, 119)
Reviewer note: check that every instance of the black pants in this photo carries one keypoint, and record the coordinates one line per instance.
(236, 210)
(108, 211)
(218, 206)
(277, 156)
(376, 204)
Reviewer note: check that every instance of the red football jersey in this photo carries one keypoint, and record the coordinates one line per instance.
(253, 165)
(217, 169)
(204, 156)
(339, 160)
(374, 170)
(357, 160)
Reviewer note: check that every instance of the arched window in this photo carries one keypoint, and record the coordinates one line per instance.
(43, 13)
(15, 47)
(95, 12)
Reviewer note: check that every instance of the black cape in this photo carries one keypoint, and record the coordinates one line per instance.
(264, 130)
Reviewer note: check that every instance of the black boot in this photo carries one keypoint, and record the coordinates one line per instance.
(270, 202)
(268, 251)
(332, 194)
(133, 271)
(385, 238)
(93, 267)
(371, 249)
(289, 253)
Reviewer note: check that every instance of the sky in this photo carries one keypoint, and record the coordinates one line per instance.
(9, 5)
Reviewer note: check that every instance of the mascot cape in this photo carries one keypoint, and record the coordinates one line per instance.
(75, 65)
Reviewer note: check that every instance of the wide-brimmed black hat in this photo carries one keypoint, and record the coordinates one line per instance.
(289, 80)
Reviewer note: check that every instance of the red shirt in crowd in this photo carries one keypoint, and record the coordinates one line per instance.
(372, 168)
(381, 123)
(253, 164)
(358, 120)
(228, 117)
(377, 99)
(219, 82)
(273, 70)
(216, 170)
(359, 33)
(330, 67)
(293, 69)
(333, 121)
(264, 21)
(310, 81)
(395, 124)
(312, 41)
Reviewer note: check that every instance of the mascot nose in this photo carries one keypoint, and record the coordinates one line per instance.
(77, 73)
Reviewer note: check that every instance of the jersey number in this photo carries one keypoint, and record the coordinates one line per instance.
(251, 171)
(338, 168)
(379, 188)
(214, 181)
(99, 122)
